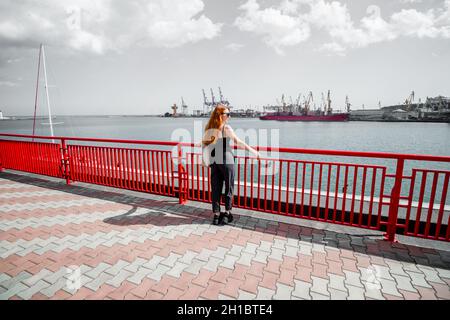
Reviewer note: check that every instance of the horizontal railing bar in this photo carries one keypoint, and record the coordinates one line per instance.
(365, 154)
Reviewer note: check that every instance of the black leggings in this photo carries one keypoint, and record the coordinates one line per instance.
(221, 173)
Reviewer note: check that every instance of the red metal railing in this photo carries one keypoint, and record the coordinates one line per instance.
(352, 194)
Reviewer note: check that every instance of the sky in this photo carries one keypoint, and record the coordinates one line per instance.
(141, 56)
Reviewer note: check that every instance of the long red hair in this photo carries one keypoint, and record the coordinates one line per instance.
(215, 122)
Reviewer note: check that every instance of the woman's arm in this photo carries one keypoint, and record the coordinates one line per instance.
(241, 143)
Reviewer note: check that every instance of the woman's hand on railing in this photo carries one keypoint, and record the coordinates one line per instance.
(256, 153)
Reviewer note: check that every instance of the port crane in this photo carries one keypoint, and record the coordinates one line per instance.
(222, 99)
(183, 106)
(329, 110)
(297, 102)
(308, 101)
(409, 101)
(347, 104)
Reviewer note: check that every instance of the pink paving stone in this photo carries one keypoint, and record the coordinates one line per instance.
(222, 275)
(173, 294)
(142, 289)
(273, 266)
(193, 292)
(81, 294)
(319, 257)
(287, 276)
(153, 295)
(231, 288)
(234, 233)
(212, 290)
(289, 263)
(408, 295)
(203, 278)
(335, 268)
(348, 254)
(164, 284)
(239, 272)
(269, 280)
(442, 290)
(320, 270)
(391, 297)
(426, 293)
(35, 269)
(241, 241)
(122, 291)
(363, 261)
(250, 284)
(102, 292)
(304, 274)
(61, 295)
(257, 269)
(27, 265)
(267, 237)
(349, 265)
(184, 281)
(304, 260)
(5, 267)
(130, 296)
(39, 296)
(15, 298)
(333, 255)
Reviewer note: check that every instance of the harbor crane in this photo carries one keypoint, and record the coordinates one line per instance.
(329, 110)
(347, 104)
(297, 102)
(308, 101)
(183, 106)
(409, 101)
(213, 99)
(206, 104)
(324, 104)
(222, 99)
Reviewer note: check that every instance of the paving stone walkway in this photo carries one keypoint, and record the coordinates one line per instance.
(92, 242)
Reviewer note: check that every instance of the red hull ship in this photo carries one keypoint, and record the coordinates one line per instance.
(280, 116)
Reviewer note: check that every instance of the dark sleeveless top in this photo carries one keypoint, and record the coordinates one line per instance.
(222, 150)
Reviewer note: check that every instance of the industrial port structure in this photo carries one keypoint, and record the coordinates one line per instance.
(433, 109)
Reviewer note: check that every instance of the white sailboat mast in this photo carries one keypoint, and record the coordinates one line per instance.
(46, 91)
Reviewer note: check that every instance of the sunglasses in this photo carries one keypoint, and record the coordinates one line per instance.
(226, 113)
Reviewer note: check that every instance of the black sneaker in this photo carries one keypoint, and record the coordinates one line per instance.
(222, 220)
(229, 217)
(216, 220)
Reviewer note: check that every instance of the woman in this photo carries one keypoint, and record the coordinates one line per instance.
(220, 158)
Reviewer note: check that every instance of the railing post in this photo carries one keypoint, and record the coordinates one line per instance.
(181, 177)
(65, 161)
(395, 201)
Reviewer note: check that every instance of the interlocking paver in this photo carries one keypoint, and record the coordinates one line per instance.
(92, 240)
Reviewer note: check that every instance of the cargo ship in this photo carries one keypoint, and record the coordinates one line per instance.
(302, 112)
(283, 116)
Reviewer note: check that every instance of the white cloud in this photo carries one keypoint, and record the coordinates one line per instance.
(234, 47)
(279, 30)
(411, 1)
(294, 21)
(103, 25)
